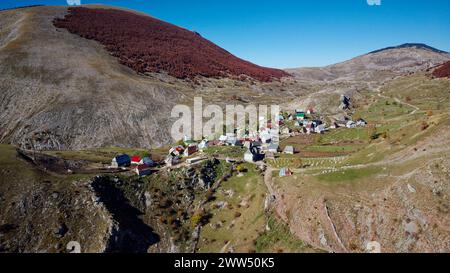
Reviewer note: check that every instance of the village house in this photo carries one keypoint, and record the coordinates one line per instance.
(280, 120)
(147, 161)
(320, 129)
(248, 156)
(237, 143)
(351, 124)
(176, 151)
(361, 122)
(265, 137)
(203, 145)
(121, 161)
(223, 138)
(190, 150)
(172, 160)
(300, 114)
(272, 148)
(317, 122)
(187, 140)
(143, 170)
(254, 154)
(135, 160)
(309, 128)
(289, 150)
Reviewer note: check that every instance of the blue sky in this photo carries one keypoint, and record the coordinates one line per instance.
(296, 33)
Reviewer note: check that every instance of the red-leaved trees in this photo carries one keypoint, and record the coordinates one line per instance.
(146, 44)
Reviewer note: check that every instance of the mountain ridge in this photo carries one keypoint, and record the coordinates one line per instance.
(410, 45)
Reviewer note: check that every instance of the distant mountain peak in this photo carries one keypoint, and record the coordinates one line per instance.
(410, 45)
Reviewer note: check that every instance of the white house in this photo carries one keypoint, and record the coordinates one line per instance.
(248, 156)
(361, 123)
(273, 148)
(172, 161)
(203, 144)
(320, 129)
(351, 124)
(289, 150)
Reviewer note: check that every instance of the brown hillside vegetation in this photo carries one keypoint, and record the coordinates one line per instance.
(146, 44)
(443, 71)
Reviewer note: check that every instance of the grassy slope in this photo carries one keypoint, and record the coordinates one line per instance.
(36, 203)
(375, 174)
(246, 232)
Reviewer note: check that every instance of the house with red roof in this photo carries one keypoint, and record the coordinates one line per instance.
(136, 160)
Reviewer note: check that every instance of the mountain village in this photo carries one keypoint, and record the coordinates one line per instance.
(259, 146)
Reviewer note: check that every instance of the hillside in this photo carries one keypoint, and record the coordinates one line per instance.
(442, 71)
(378, 65)
(146, 44)
(75, 95)
(62, 91)
(392, 188)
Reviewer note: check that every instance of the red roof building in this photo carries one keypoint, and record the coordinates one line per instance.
(136, 160)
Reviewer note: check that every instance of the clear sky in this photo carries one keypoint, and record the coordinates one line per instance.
(297, 33)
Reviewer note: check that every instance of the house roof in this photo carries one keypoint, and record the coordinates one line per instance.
(147, 160)
(135, 158)
(122, 158)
